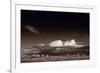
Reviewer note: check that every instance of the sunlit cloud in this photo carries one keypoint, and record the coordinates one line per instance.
(70, 43)
(58, 43)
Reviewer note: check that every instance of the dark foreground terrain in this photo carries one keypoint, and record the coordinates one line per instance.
(46, 54)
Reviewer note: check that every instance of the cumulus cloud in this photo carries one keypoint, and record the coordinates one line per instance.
(32, 29)
(58, 43)
(70, 43)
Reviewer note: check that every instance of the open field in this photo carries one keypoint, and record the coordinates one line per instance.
(53, 58)
(42, 54)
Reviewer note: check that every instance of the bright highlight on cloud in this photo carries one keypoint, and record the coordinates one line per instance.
(32, 29)
(70, 43)
(58, 43)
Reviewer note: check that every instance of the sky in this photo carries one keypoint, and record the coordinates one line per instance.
(46, 26)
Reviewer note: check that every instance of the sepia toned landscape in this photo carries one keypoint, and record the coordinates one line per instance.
(54, 36)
